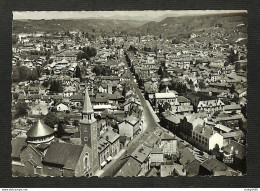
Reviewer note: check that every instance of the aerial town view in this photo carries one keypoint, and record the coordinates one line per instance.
(129, 93)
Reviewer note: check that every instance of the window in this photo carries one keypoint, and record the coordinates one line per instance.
(85, 138)
(85, 160)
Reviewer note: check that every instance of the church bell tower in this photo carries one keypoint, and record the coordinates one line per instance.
(88, 130)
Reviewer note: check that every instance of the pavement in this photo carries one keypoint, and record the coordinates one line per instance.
(101, 171)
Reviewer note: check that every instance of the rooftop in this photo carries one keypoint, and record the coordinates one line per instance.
(39, 130)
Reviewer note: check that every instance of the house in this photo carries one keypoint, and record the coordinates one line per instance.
(206, 138)
(183, 100)
(168, 144)
(237, 152)
(39, 110)
(156, 157)
(113, 140)
(160, 98)
(172, 170)
(232, 135)
(76, 100)
(103, 151)
(129, 127)
(62, 107)
(232, 109)
(171, 122)
(69, 91)
(141, 154)
(130, 102)
(33, 90)
(187, 155)
(131, 168)
(193, 168)
(241, 92)
(211, 105)
(211, 166)
(182, 109)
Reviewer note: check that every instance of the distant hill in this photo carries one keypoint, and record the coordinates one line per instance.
(171, 27)
(89, 25)
(182, 26)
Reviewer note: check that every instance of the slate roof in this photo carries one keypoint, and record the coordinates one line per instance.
(237, 147)
(208, 132)
(130, 168)
(232, 107)
(141, 153)
(173, 118)
(64, 154)
(182, 99)
(167, 136)
(214, 165)
(111, 136)
(18, 144)
(234, 134)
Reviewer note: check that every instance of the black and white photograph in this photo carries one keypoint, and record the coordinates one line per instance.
(155, 93)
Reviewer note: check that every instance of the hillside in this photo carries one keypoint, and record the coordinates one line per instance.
(173, 27)
(170, 27)
(89, 25)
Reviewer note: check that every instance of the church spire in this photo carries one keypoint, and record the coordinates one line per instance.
(87, 107)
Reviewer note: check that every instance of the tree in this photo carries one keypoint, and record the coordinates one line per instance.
(237, 66)
(45, 84)
(232, 57)
(124, 91)
(77, 72)
(50, 61)
(202, 84)
(160, 71)
(21, 109)
(56, 87)
(51, 119)
(87, 53)
(23, 73)
(33, 75)
(232, 89)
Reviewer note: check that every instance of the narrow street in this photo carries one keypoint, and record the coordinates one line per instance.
(151, 126)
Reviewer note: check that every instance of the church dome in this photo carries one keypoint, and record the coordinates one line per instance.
(40, 133)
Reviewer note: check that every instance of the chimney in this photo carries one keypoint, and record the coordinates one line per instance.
(231, 150)
(213, 132)
(167, 89)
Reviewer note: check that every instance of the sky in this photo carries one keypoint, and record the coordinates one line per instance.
(121, 15)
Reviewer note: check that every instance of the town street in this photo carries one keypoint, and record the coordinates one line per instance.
(150, 126)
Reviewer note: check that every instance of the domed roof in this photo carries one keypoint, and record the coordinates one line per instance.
(39, 130)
